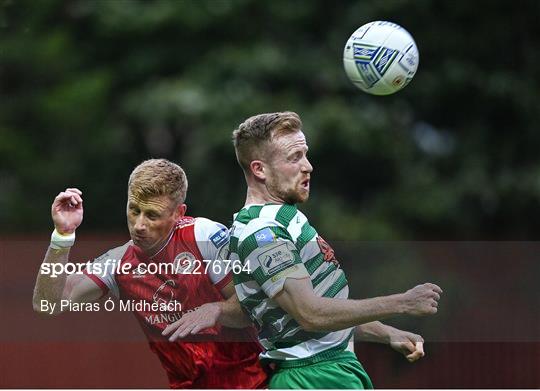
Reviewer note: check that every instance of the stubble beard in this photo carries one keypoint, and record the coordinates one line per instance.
(288, 196)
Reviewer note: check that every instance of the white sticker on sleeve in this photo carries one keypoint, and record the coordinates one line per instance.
(276, 258)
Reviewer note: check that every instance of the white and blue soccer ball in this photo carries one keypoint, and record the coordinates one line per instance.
(380, 58)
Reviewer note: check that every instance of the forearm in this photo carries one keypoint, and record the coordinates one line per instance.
(49, 288)
(374, 332)
(336, 314)
(232, 315)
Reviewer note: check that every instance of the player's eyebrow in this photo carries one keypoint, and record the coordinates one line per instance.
(152, 211)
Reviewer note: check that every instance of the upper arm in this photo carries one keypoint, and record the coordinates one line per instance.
(81, 289)
(98, 278)
(298, 299)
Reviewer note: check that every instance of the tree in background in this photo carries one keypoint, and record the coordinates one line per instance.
(90, 88)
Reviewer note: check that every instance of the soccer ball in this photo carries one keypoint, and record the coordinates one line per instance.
(380, 58)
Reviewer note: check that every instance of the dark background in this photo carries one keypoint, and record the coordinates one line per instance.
(439, 182)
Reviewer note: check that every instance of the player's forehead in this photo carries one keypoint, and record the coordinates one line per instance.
(158, 203)
(290, 141)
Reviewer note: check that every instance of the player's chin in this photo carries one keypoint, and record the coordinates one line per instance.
(302, 196)
(297, 196)
(141, 243)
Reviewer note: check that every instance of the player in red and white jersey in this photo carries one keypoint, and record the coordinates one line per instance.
(163, 265)
(201, 362)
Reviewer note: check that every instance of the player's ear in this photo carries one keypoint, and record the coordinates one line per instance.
(180, 211)
(257, 169)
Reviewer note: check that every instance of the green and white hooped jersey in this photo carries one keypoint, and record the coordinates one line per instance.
(277, 242)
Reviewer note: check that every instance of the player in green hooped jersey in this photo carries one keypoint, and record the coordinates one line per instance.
(293, 288)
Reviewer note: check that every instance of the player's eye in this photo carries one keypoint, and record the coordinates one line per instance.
(152, 216)
(296, 157)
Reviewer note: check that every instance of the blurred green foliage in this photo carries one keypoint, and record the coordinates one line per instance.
(90, 88)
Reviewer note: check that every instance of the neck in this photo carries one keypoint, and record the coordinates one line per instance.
(260, 196)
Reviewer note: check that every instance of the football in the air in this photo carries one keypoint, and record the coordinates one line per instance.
(380, 58)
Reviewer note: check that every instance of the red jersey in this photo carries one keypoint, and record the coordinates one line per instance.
(220, 357)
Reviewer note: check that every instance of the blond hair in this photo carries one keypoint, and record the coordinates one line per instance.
(255, 133)
(158, 177)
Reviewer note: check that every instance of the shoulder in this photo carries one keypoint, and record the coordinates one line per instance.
(279, 212)
(209, 230)
(259, 224)
(259, 233)
(277, 218)
(115, 254)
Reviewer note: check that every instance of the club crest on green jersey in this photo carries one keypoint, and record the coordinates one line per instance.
(327, 251)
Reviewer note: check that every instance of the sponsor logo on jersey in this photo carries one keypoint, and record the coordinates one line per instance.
(166, 318)
(276, 258)
(220, 237)
(327, 251)
(264, 237)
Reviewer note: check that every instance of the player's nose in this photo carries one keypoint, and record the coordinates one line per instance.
(307, 167)
(140, 224)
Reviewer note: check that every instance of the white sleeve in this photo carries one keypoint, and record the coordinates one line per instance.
(213, 243)
(102, 269)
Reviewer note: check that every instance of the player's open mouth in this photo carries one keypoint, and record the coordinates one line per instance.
(305, 184)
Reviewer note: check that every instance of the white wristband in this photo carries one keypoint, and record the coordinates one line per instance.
(59, 241)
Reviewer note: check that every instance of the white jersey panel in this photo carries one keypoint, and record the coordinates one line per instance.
(212, 240)
(104, 267)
